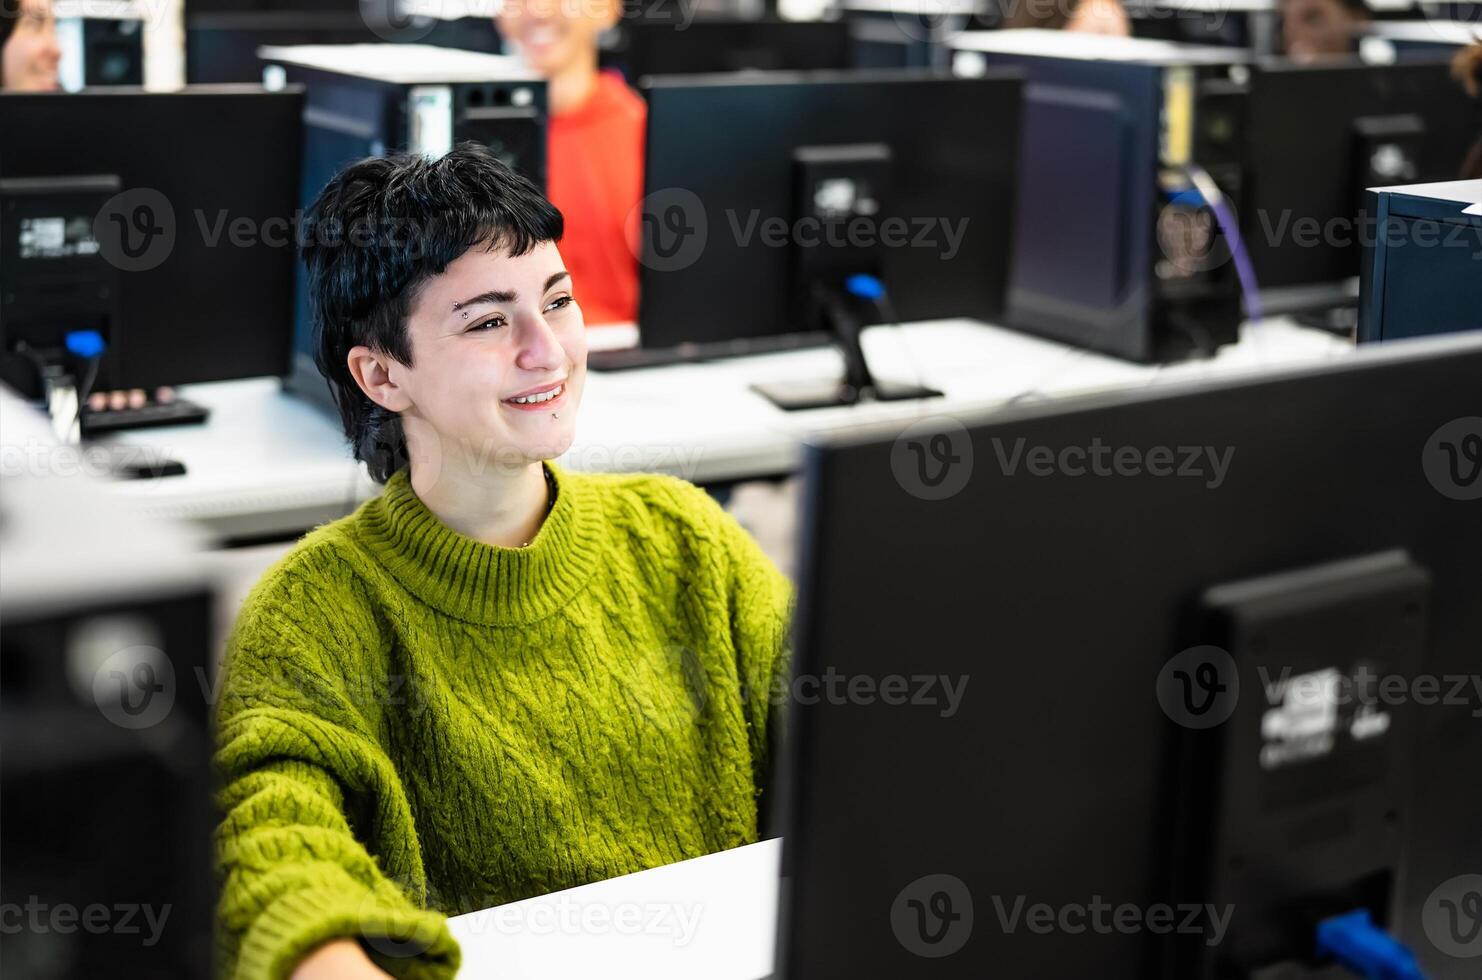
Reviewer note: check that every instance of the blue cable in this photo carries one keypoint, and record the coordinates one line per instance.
(1360, 946)
(85, 343)
(865, 286)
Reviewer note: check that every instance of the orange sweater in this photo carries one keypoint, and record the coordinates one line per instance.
(595, 177)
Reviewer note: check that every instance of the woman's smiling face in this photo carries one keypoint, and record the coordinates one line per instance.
(498, 360)
(553, 35)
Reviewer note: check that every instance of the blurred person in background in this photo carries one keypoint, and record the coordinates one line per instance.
(594, 161)
(1316, 30)
(1077, 16)
(1468, 70)
(29, 53)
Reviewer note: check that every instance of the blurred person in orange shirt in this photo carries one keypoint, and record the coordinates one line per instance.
(594, 167)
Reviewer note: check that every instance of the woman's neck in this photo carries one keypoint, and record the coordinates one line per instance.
(495, 504)
(573, 85)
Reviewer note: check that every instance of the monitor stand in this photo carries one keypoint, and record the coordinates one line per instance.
(858, 383)
(1330, 306)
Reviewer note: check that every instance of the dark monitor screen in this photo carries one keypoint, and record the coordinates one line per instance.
(203, 230)
(222, 47)
(1063, 658)
(660, 47)
(724, 234)
(1318, 135)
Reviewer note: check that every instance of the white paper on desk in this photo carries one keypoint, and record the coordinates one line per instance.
(713, 917)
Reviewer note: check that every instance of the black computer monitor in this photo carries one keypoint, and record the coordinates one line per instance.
(203, 230)
(767, 192)
(106, 646)
(222, 46)
(716, 44)
(1422, 271)
(1066, 658)
(1318, 135)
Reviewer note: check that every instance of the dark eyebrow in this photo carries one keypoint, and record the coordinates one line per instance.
(507, 295)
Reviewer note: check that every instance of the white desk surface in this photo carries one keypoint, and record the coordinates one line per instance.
(268, 463)
(713, 917)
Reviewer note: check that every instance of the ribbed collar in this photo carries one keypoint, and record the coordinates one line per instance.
(478, 582)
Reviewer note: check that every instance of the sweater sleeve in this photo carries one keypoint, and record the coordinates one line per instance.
(317, 840)
(761, 600)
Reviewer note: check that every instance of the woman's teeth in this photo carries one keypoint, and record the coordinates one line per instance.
(543, 396)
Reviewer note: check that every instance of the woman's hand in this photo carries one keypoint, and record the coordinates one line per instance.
(338, 959)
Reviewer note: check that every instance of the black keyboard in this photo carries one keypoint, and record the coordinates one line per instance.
(178, 412)
(633, 358)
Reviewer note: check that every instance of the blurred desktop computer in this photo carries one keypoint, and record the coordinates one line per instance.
(372, 99)
(222, 46)
(828, 202)
(1422, 268)
(1143, 685)
(163, 267)
(708, 44)
(1315, 137)
(1118, 246)
(107, 653)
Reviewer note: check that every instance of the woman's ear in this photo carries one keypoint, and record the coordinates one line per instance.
(372, 372)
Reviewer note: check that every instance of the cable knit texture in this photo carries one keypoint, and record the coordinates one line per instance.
(414, 724)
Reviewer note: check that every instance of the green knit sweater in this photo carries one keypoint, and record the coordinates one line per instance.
(414, 724)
